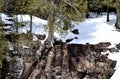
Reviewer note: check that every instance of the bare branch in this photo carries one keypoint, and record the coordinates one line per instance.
(70, 4)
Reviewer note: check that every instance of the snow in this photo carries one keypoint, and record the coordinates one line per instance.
(37, 24)
(4, 17)
(115, 56)
(93, 30)
(96, 30)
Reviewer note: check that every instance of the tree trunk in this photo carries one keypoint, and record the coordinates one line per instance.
(117, 24)
(16, 23)
(51, 27)
(108, 14)
(31, 37)
(31, 23)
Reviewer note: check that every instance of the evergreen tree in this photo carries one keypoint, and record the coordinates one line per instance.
(3, 44)
(101, 5)
(108, 4)
(61, 13)
(95, 5)
(115, 4)
(58, 13)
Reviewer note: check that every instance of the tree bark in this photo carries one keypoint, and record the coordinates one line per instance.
(117, 24)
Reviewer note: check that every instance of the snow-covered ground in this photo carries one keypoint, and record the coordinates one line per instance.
(97, 30)
(92, 30)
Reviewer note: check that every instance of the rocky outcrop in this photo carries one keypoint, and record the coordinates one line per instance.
(62, 61)
(90, 63)
(73, 61)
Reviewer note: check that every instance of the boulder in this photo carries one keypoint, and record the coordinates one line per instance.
(75, 31)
